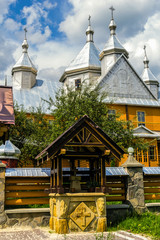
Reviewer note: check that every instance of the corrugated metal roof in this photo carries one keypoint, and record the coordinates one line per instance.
(132, 101)
(43, 89)
(151, 170)
(28, 172)
(42, 172)
(46, 172)
(115, 171)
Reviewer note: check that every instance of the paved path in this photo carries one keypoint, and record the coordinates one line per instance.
(39, 234)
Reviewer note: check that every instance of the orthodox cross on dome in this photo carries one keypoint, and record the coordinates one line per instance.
(146, 61)
(25, 33)
(89, 19)
(145, 50)
(112, 9)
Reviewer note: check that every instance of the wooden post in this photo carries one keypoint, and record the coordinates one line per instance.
(58, 171)
(59, 176)
(51, 178)
(103, 175)
(54, 176)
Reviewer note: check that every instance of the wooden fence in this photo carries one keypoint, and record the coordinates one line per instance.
(152, 187)
(117, 191)
(26, 190)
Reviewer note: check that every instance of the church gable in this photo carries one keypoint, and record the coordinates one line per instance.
(122, 81)
(142, 129)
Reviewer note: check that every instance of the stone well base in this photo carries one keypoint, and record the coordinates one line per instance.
(78, 212)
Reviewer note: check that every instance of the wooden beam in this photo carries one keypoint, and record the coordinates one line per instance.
(63, 151)
(106, 152)
(90, 144)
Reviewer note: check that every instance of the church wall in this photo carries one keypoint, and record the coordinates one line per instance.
(17, 78)
(87, 77)
(107, 62)
(152, 115)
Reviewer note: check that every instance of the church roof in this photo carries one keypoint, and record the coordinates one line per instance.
(34, 97)
(144, 132)
(88, 56)
(147, 75)
(24, 60)
(136, 94)
(113, 45)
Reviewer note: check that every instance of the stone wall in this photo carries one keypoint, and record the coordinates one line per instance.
(3, 217)
(33, 217)
(135, 189)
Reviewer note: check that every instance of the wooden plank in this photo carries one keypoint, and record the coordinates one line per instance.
(115, 198)
(117, 191)
(90, 144)
(27, 180)
(152, 190)
(26, 187)
(26, 194)
(27, 201)
(152, 197)
(115, 185)
(151, 184)
(152, 178)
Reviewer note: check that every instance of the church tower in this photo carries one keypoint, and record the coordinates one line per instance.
(148, 77)
(112, 49)
(85, 68)
(24, 72)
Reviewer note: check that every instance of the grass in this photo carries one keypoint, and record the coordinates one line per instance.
(147, 223)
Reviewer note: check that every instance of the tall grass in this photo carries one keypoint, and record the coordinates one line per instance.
(147, 223)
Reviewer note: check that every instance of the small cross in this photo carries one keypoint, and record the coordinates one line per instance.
(25, 31)
(82, 214)
(145, 50)
(112, 9)
(89, 19)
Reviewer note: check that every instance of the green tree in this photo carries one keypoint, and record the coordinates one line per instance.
(71, 105)
(31, 134)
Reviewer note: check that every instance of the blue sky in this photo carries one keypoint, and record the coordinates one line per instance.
(56, 31)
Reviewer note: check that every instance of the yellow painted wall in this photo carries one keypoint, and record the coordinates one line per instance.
(152, 115)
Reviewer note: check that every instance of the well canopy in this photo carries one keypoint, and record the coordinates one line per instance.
(84, 137)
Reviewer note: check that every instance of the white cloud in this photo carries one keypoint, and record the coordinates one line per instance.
(150, 37)
(4, 6)
(137, 22)
(51, 74)
(11, 25)
(48, 5)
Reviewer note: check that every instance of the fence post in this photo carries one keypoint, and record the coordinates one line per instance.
(134, 183)
(3, 217)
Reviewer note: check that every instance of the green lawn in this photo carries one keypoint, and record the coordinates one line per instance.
(147, 223)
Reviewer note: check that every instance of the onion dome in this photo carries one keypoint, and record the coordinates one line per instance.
(88, 57)
(113, 45)
(148, 77)
(25, 66)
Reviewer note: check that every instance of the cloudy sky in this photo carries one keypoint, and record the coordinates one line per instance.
(56, 31)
